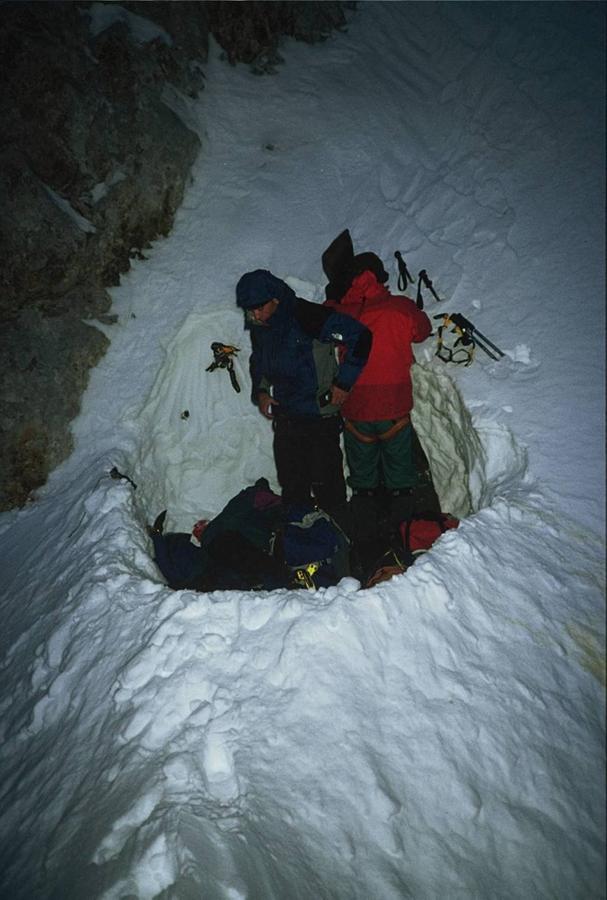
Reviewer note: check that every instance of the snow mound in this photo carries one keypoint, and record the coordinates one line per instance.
(200, 441)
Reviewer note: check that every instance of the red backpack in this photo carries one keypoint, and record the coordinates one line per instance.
(419, 532)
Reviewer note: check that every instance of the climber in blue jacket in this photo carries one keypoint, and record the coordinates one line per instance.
(298, 383)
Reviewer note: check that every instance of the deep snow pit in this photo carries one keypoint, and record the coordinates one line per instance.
(384, 743)
(441, 734)
(414, 739)
(202, 441)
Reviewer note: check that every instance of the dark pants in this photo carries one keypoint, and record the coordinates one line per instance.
(375, 513)
(309, 461)
(389, 462)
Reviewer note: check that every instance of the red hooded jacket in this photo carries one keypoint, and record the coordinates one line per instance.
(383, 389)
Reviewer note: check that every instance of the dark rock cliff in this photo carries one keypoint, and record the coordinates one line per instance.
(93, 166)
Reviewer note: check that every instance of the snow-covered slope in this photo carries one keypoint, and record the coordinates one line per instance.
(440, 735)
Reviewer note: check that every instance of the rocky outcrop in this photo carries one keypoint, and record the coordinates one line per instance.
(250, 32)
(93, 165)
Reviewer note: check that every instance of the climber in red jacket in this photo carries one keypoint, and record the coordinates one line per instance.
(378, 434)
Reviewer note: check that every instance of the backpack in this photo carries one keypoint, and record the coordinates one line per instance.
(314, 547)
(419, 532)
(310, 544)
(181, 562)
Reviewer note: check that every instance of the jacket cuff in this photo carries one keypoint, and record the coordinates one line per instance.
(342, 385)
(346, 375)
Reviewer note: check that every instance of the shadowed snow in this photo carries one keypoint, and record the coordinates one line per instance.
(440, 735)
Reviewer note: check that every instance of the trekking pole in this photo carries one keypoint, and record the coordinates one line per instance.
(477, 340)
(404, 276)
(478, 336)
(424, 279)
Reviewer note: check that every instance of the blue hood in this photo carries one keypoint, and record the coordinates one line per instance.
(258, 287)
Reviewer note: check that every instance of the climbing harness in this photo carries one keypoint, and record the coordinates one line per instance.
(387, 435)
(223, 358)
(453, 344)
(457, 339)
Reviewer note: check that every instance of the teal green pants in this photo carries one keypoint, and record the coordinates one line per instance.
(384, 462)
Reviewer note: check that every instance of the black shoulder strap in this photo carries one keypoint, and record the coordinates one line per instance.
(337, 266)
(338, 256)
(311, 316)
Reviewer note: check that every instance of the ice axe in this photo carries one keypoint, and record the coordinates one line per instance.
(223, 358)
(468, 338)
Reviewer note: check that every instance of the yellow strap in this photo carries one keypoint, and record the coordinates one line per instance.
(305, 573)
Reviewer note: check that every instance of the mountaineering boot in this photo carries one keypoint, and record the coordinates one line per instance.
(400, 505)
(364, 514)
(368, 539)
(341, 514)
(425, 499)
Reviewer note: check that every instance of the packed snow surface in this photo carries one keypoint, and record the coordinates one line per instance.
(439, 735)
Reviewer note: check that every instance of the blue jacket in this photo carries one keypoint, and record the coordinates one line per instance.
(256, 513)
(294, 351)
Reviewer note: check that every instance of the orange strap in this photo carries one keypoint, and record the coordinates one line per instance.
(374, 438)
